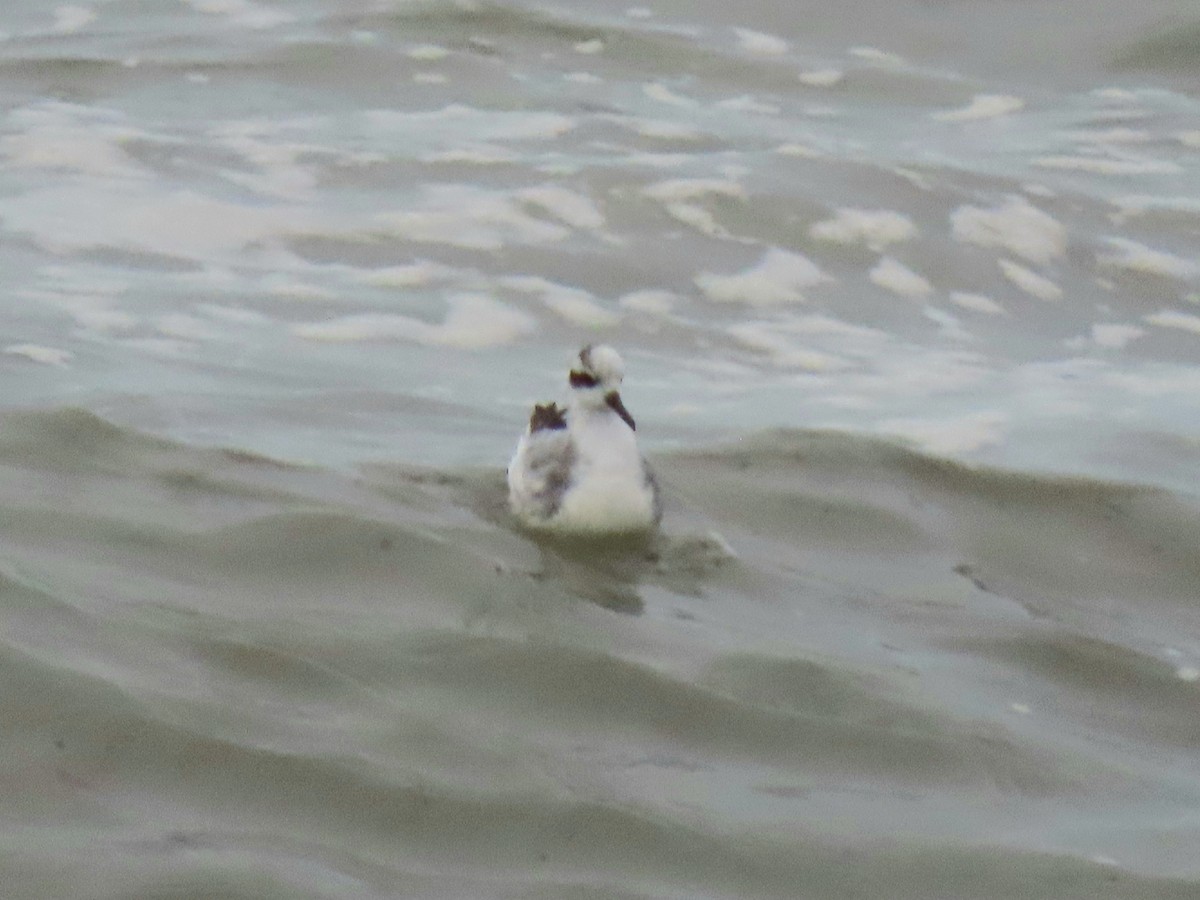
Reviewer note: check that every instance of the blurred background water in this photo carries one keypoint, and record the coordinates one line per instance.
(909, 295)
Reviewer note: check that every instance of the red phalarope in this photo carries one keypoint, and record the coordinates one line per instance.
(578, 470)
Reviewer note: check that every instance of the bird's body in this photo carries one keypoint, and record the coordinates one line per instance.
(578, 470)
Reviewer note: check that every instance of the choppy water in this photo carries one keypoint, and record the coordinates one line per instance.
(910, 299)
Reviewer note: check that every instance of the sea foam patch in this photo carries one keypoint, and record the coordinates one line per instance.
(760, 43)
(951, 437)
(70, 18)
(979, 303)
(243, 13)
(1015, 225)
(649, 302)
(678, 190)
(569, 207)
(571, 304)
(877, 228)
(663, 94)
(1131, 256)
(1115, 335)
(780, 276)
(783, 350)
(1108, 165)
(476, 218)
(416, 274)
(1029, 281)
(472, 321)
(65, 136)
(50, 356)
(181, 223)
(982, 106)
(822, 77)
(893, 275)
(1172, 318)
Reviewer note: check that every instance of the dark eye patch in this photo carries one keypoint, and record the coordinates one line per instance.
(582, 379)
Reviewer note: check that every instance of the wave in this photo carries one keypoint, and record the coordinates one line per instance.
(842, 655)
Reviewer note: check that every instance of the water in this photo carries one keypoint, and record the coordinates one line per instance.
(910, 303)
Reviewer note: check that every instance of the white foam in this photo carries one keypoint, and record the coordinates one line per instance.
(877, 228)
(875, 55)
(428, 53)
(184, 327)
(1170, 318)
(414, 275)
(473, 321)
(235, 315)
(569, 207)
(639, 12)
(893, 275)
(279, 284)
(1189, 138)
(582, 78)
(661, 129)
(462, 215)
(474, 155)
(1030, 282)
(279, 170)
(429, 78)
(571, 304)
(760, 43)
(1115, 95)
(243, 13)
(1015, 225)
(822, 77)
(1115, 335)
(982, 106)
(664, 94)
(69, 19)
(589, 47)
(1188, 673)
(949, 325)
(696, 217)
(969, 434)
(50, 356)
(1106, 165)
(54, 135)
(800, 151)
(678, 190)
(128, 216)
(780, 276)
(1134, 257)
(105, 321)
(1132, 206)
(977, 303)
(783, 351)
(650, 302)
(750, 104)
(659, 160)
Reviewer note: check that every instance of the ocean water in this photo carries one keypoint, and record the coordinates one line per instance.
(909, 296)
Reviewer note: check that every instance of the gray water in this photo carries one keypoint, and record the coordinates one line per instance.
(909, 296)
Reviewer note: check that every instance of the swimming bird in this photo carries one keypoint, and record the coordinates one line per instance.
(577, 470)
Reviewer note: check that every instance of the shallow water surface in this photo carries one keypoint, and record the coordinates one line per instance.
(910, 305)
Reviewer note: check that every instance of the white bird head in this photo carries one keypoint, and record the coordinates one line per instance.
(597, 378)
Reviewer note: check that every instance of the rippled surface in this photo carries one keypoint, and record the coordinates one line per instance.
(910, 303)
(844, 668)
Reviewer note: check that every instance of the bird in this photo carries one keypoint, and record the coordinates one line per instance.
(577, 470)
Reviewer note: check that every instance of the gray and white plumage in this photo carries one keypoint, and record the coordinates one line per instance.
(578, 470)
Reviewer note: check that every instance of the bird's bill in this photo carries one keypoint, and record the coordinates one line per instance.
(613, 399)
